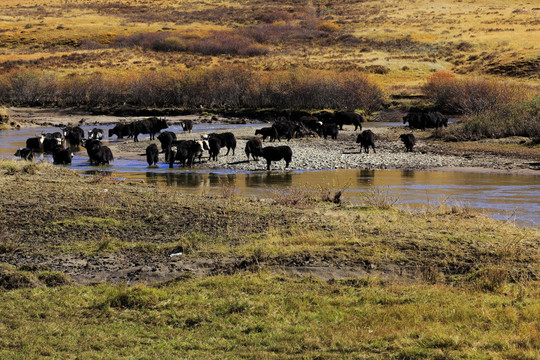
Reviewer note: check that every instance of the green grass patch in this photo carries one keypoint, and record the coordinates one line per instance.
(267, 316)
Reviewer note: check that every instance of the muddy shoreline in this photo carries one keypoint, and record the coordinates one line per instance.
(308, 153)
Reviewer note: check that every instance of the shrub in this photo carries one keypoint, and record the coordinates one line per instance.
(227, 43)
(309, 89)
(31, 87)
(275, 16)
(170, 43)
(379, 198)
(89, 44)
(509, 120)
(328, 26)
(293, 198)
(216, 43)
(220, 86)
(377, 69)
(469, 95)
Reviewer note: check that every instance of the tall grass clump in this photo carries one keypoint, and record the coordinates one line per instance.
(517, 119)
(521, 119)
(469, 96)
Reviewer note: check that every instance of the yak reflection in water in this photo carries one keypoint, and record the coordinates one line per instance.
(217, 180)
(179, 179)
(269, 178)
(365, 177)
(408, 173)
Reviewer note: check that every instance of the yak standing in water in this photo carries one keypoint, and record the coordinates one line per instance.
(98, 153)
(96, 134)
(166, 139)
(185, 151)
(25, 154)
(61, 156)
(121, 130)
(187, 125)
(152, 155)
(73, 135)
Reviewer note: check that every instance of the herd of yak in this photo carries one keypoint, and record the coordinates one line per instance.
(287, 125)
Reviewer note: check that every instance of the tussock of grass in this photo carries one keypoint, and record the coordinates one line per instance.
(519, 119)
(30, 168)
(139, 297)
(11, 279)
(28, 277)
(53, 278)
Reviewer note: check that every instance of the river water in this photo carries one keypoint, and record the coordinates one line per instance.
(501, 196)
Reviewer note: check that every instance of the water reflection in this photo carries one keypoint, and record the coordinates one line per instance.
(365, 177)
(269, 178)
(178, 179)
(499, 195)
(407, 173)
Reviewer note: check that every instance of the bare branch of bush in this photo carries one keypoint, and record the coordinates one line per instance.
(216, 87)
(379, 198)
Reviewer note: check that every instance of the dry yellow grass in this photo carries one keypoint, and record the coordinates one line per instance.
(405, 41)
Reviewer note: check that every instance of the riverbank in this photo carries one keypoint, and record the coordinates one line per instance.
(98, 228)
(129, 261)
(506, 155)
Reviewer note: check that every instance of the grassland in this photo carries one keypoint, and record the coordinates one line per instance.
(273, 317)
(401, 44)
(85, 266)
(378, 282)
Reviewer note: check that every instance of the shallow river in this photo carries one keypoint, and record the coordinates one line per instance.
(502, 196)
